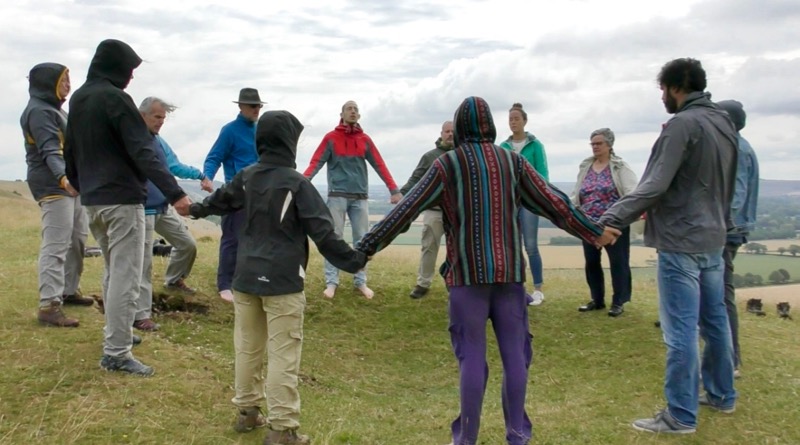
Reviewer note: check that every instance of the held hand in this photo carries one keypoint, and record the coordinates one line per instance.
(396, 198)
(182, 206)
(207, 185)
(69, 188)
(609, 237)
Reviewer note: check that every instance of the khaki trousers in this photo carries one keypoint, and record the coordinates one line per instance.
(274, 325)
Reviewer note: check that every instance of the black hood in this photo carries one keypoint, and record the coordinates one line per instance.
(114, 60)
(277, 134)
(473, 122)
(735, 111)
(43, 82)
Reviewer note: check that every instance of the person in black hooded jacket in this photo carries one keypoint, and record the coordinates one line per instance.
(282, 210)
(109, 156)
(64, 226)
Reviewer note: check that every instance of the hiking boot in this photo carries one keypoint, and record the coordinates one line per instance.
(663, 422)
(249, 418)
(147, 325)
(180, 286)
(286, 437)
(418, 292)
(703, 400)
(76, 299)
(52, 315)
(126, 364)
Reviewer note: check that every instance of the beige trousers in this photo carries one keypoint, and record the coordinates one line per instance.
(273, 325)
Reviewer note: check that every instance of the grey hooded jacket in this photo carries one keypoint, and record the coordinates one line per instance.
(688, 183)
(43, 126)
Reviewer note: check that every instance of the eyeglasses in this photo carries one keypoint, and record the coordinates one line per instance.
(596, 144)
(259, 106)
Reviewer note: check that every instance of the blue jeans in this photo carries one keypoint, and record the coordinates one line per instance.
(357, 210)
(529, 224)
(691, 290)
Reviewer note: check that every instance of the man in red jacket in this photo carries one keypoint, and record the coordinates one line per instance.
(346, 150)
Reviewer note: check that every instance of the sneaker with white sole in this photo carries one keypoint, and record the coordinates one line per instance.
(536, 298)
(662, 422)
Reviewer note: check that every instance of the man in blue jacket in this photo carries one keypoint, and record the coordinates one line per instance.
(234, 149)
(161, 218)
(743, 211)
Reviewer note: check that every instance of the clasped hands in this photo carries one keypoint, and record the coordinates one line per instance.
(609, 237)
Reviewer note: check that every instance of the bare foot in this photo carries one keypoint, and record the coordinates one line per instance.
(329, 291)
(226, 295)
(367, 292)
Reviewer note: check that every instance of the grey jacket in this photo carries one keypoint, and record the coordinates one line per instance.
(688, 183)
(43, 125)
(621, 173)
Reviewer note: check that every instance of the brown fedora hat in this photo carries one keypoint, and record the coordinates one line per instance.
(249, 96)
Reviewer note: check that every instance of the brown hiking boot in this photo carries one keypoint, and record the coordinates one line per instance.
(286, 437)
(146, 324)
(180, 286)
(54, 316)
(249, 418)
(76, 299)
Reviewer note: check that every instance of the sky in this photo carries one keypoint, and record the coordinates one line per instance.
(575, 65)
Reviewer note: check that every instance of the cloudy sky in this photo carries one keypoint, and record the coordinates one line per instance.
(576, 65)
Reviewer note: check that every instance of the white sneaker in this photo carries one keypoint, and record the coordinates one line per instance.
(537, 297)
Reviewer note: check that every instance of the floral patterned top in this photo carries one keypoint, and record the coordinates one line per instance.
(598, 192)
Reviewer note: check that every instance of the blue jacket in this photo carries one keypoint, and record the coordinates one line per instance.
(156, 203)
(234, 149)
(176, 167)
(745, 197)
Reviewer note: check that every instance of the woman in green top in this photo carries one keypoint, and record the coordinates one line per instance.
(532, 150)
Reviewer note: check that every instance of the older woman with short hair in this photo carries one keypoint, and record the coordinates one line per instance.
(603, 179)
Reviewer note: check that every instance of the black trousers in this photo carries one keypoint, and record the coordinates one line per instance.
(619, 257)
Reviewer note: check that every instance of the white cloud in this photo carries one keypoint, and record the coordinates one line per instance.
(575, 65)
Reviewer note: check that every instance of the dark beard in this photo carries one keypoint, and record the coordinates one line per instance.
(671, 104)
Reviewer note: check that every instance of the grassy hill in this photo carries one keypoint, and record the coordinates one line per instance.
(377, 372)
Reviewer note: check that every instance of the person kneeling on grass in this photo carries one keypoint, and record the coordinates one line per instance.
(282, 210)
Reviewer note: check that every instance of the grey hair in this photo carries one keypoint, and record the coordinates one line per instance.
(607, 134)
(147, 105)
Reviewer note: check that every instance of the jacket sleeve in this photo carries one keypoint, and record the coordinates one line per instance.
(575, 197)
(44, 128)
(543, 199)
(218, 152)
(176, 167)
(540, 159)
(69, 160)
(317, 223)
(320, 157)
(228, 198)
(627, 178)
(424, 164)
(426, 194)
(376, 161)
(138, 143)
(665, 159)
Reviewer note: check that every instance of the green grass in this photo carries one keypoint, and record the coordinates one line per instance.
(377, 372)
(766, 264)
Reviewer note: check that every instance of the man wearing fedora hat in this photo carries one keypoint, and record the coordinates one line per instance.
(234, 149)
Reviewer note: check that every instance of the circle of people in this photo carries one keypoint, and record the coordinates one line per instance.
(107, 169)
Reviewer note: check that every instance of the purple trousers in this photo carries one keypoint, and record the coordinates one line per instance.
(229, 248)
(469, 308)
